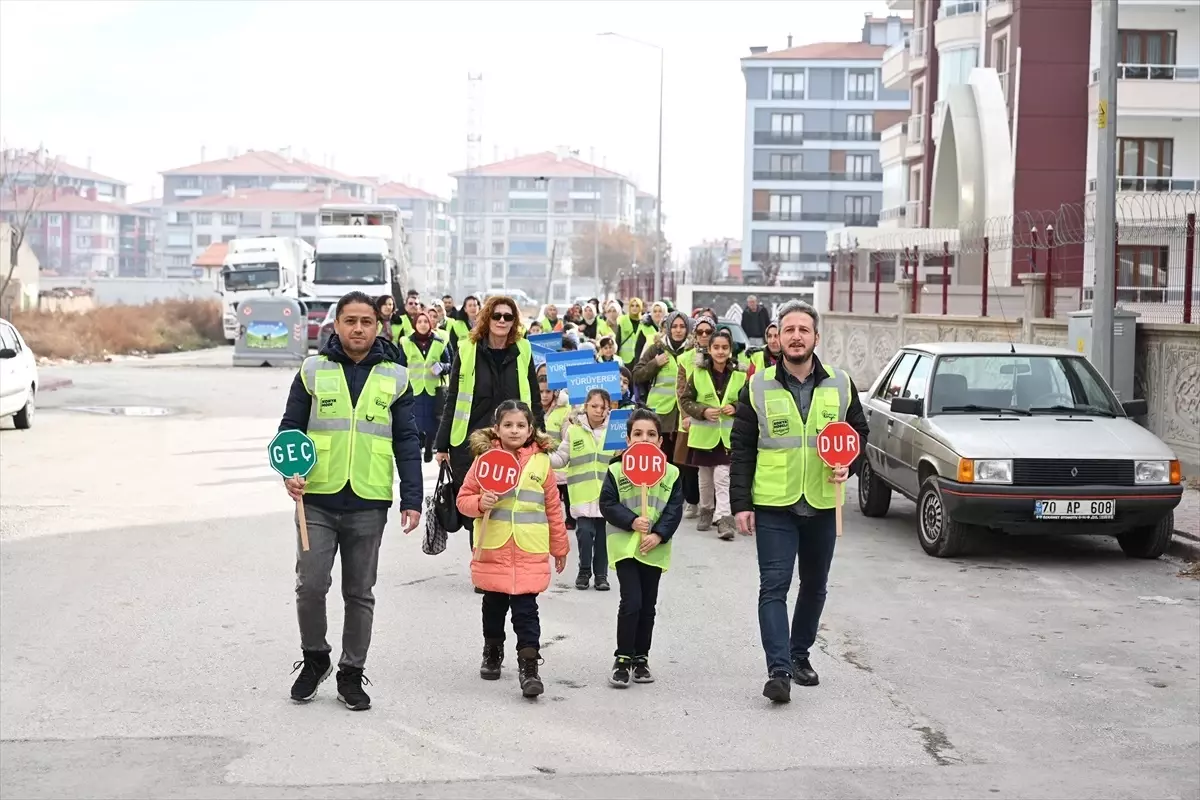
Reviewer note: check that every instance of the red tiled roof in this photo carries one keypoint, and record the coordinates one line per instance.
(153, 203)
(262, 162)
(393, 189)
(537, 165)
(213, 255)
(828, 51)
(266, 200)
(21, 161)
(80, 173)
(63, 202)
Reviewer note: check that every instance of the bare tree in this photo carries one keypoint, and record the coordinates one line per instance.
(703, 267)
(770, 269)
(26, 183)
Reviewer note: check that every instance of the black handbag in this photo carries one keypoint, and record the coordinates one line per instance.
(441, 513)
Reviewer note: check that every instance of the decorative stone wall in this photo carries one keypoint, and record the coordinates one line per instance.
(1167, 375)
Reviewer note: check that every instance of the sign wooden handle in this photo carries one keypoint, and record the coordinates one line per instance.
(478, 554)
(841, 497)
(303, 523)
(646, 501)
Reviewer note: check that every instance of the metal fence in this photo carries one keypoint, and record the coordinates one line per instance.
(975, 267)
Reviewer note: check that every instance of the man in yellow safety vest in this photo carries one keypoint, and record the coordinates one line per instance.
(781, 492)
(355, 403)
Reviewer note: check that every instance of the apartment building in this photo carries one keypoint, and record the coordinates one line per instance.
(813, 117)
(252, 178)
(31, 167)
(429, 223)
(515, 215)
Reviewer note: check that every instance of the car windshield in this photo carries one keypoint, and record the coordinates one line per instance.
(239, 277)
(1049, 384)
(347, 270)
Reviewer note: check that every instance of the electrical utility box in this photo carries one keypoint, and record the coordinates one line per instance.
(1080, 339)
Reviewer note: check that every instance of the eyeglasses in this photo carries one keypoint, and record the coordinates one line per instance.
(499, 316)
(703, 332)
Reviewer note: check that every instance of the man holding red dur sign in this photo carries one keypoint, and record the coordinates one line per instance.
(792, 451)
(642, 502)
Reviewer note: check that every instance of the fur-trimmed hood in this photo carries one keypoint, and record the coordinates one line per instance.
(486, 439)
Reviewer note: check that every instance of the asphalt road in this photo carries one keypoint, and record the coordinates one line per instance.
(148, 631)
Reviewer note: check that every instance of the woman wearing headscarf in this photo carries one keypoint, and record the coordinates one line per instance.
(427, 359)
(767, 355)
(593, 326)
(648, 329)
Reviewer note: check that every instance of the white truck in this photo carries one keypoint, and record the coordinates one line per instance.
(262, 266)
(360, 247)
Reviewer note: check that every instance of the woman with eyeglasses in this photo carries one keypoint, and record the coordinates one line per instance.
(493, 364)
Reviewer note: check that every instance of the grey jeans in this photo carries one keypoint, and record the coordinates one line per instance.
(358, 535)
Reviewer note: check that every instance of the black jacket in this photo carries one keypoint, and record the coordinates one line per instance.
(621, 517)
(744, 440)
(495, 382)
(406, 446)
(755, 322)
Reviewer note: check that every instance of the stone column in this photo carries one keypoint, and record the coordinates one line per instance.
(1034, 285)
(904, 292)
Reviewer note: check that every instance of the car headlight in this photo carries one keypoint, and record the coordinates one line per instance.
(993, 471)
(1151, 472)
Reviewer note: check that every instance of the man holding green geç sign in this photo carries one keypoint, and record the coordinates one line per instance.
(354, 403)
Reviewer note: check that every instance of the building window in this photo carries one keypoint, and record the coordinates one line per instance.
(583, 185)
(561, 206)
(83, 220)
(497, 248)
(203, 218)
(859, 126)
(527, 226)
(785, 206)
(497, 227)
(470, 270)
(83, 242)
(858, 210)
(283, 219)
(251, 219)
(229, 219)
(1145, 158)
(785, 248)
(585, 207)
(784, 164)
(858, 165)
(203, 240)
(497, 206)
(471, 226)
(529, 184)
(1148, 48)
(787, 85)
(55, 220)
(470, 248)
(860, 85)
(787, 126)
(560, 227)
(527, 248)
(1143, 273)
(524, 204)
(954, 68)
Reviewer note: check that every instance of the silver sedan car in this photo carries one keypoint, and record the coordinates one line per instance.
(1021, 439)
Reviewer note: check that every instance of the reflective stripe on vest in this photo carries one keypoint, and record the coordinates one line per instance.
(587, 465)
(554, 422)
(521, 515)
(687, 360)
(662, 398)
(788, 466)
(467, 356)
(702, 434)
(625, 544)
(353, 442)
(420, 367)
(628, 337)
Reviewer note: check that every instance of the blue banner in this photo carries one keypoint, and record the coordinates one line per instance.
(584, 377)
(547, 341)
(557, 363)
(614, 437)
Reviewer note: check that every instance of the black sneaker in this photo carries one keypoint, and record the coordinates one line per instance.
(602, 583)
(350, 682)
(803, 673)
(620, 673)
(527, 669)
(493, 657)
(314, 669)
(779, 687)
(582, 580)
(641, 671)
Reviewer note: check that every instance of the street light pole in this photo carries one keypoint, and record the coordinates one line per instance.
(1104, 289)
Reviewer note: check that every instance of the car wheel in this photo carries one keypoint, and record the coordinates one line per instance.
(874, 496)
(1149, 541)
(940, 536)
(23, 419)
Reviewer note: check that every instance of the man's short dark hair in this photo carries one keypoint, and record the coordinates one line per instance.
(449, 297)
(413, 293)
(354, 297)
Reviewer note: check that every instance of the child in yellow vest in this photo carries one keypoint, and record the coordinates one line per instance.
(556, 410)
(525, 528)
(639, 548)
(586, 461)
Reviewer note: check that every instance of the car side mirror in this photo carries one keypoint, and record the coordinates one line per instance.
(1135, 408)
(908, 405)
(8, 352)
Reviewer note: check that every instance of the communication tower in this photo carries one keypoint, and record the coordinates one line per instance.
(471, 198)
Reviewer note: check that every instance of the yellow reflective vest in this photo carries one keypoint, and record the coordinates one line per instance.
(628, 336)
(353, 441)
(625, 544)
(661, 398)
(420, 367)
(788, 465)
(703, 434)
(521, 514)
(587, 465)
(467, 355)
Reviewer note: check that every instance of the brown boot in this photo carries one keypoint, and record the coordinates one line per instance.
(725, 529)
(706, 519)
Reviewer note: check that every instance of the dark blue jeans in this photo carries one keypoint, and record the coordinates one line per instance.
(593, 546)
(782, 538)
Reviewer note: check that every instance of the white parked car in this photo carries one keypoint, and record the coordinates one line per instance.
(18, 377)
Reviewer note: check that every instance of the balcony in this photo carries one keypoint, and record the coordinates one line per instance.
(818, 176)
(863, 220)
(860, 94)
(194, 191)
(800, 137)
(957, 23)
(1142, 185)
(939, 111)
(918, 50)
(893, 143)
(893, 70)
(916, 137)
(998, 11)
(893, 217)
(1153, 90)
(787, 94)
(790, 258)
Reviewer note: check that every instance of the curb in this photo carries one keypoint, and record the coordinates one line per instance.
(52, 385)
(1185, 545)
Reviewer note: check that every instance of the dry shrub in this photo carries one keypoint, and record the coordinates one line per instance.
(165, 326)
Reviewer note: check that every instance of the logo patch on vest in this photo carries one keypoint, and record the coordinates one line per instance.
(328, 402)
(780, 426)
(829, 414)
(381, 402)
(624, 485)
(577, 444)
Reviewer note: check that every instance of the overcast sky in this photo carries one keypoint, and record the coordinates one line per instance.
(381, 87)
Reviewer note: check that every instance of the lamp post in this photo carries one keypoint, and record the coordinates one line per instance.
(658, 275)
